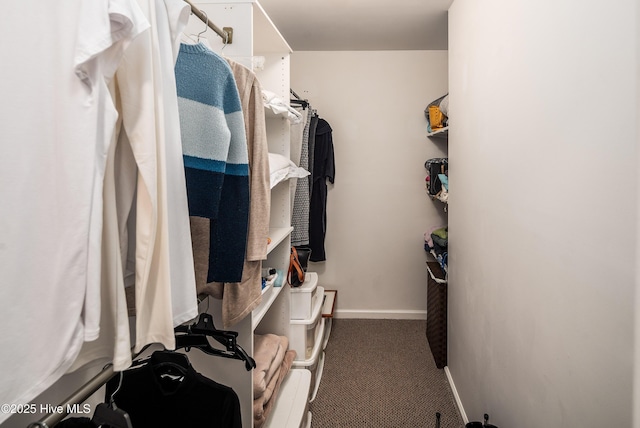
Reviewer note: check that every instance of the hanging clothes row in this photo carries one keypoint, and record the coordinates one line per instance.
(52, 189)
(230, 247)
(96, 198)
(300, 156)
(312, 146)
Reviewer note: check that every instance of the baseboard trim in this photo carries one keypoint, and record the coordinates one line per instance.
(465, 419)
(381, 314)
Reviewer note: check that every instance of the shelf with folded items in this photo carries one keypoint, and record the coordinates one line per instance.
(436, 242)
(442, 133)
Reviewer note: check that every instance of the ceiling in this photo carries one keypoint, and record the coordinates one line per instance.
(355, 25)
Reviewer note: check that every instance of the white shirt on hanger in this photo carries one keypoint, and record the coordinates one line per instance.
(57, 119)
(164, 274)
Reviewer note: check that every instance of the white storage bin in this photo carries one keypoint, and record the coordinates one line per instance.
(304, 333)
(315, 363)
(316, 368)
(303, 297)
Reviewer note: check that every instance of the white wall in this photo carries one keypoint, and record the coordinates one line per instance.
(378, 209)
(543, 211)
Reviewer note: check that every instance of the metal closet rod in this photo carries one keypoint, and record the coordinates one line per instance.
(226, 33)
(86, 391)
(81, 395)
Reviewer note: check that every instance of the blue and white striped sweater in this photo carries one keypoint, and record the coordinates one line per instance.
(215, 156)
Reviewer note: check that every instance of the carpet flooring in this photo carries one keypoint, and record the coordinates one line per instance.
(380, 373)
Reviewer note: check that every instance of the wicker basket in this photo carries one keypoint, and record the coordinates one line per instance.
(437, 314)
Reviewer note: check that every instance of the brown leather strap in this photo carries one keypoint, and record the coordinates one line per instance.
(294, 264)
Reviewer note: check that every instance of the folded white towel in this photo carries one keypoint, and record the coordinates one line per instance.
(268, 353)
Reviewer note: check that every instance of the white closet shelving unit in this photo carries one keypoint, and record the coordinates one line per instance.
(255, 35)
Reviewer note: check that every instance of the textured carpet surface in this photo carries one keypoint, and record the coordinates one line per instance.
(380, 373)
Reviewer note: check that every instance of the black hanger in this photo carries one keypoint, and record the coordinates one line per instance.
(206, 326)
(298, 100)
(292, 92)
(196, 336)
(170, 368)
(111, 416)
(303, 103)
(170, 363)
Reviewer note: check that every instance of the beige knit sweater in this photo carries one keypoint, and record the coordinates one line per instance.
(239, 299)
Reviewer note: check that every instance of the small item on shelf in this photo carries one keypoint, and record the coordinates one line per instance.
(269, 277)
(443, 195)
(304, 253)
(436, 118)
(436, 243)
(437, 113)
(280, 274)
(436, 168)
(444, 180)
(298, 265)
(268, 272)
